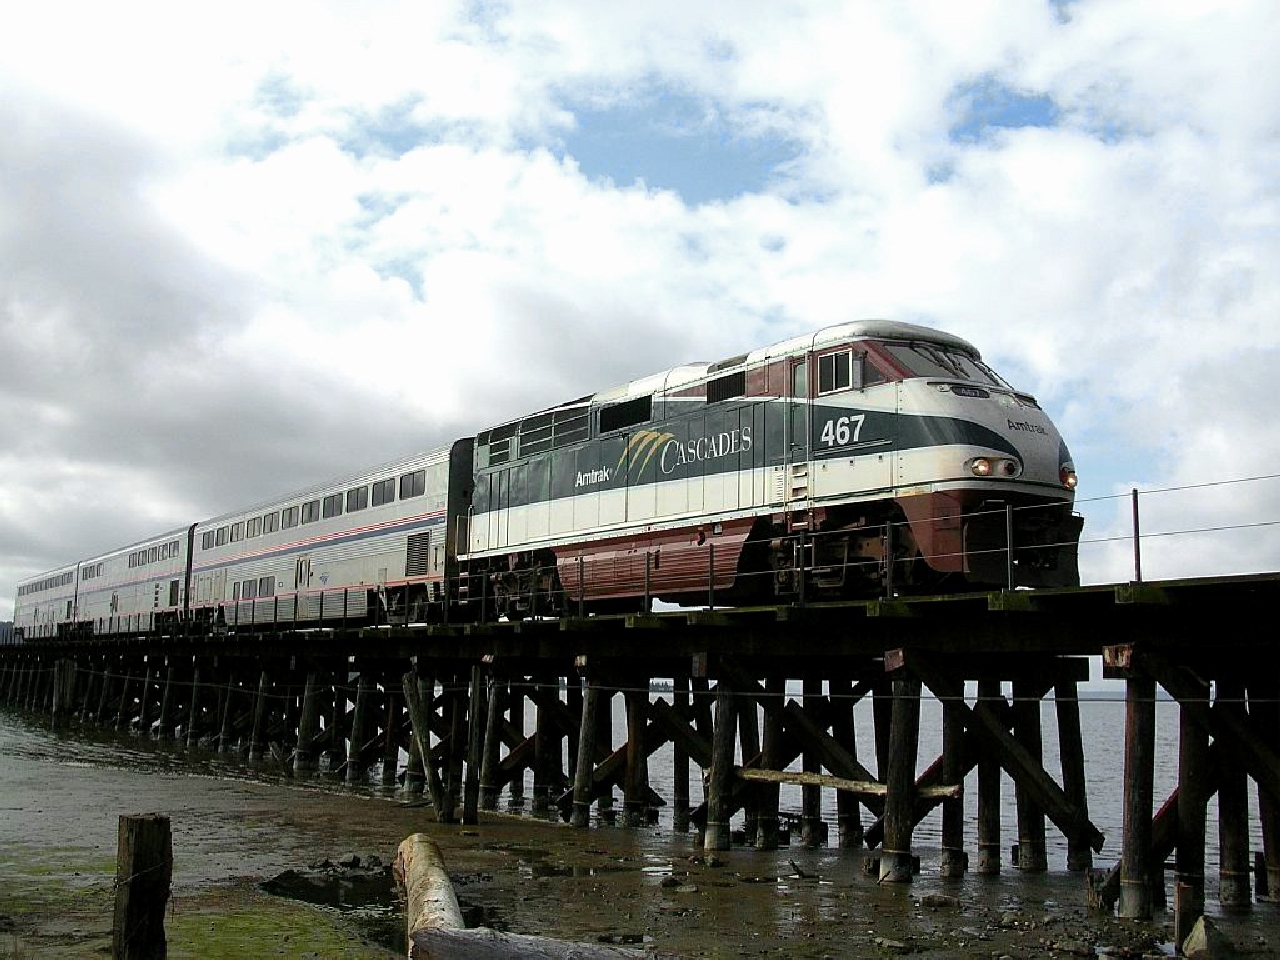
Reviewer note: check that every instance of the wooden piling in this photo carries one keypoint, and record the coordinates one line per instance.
(390, 740)
(1233, 808)
(1139, 772)
(768, 794)
(490, 764)
(1032, 855)
(144, 868)
(355, 772)
(581, 815)
(476, 715)
(682, 702)
(954, 861)
(1194, 774)
(896, 863)
(719, 781)
(988, 864)
(636, 783)
(515, 716)
(164, 719)
(1071, 755)
(1264, 710)
(749, 740)
(811, 794)
(258, 733)
(843, 728)
(304, 756)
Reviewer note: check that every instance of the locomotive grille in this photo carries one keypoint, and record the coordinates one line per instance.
(417, 559)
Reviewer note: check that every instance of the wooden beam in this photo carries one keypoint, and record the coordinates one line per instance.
(1040, 787)
(862, 788)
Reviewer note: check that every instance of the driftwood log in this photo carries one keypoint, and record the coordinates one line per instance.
(436, 929)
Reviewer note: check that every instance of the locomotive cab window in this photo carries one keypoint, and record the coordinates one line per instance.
(846, 370)
(835, 372)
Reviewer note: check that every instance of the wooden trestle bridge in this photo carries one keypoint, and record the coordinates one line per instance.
(455, 697)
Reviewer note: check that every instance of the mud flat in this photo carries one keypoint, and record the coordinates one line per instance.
(60, 803)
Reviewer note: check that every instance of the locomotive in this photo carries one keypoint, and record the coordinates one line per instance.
(870, 457)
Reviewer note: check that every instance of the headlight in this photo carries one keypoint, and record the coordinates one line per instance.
(1067, 475)
(994, 467)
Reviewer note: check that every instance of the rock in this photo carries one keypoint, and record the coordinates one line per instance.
(936, 901)
(1074, 948)
(1207, 942)
(350, 862)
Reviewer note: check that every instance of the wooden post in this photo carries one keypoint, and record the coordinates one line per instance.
(490, 764)
(226, 703)
(390, 739)
(721, 776)
(896, 864)
(749, 739)
(954, 861)
(604, 735)
(585, 767)
(359, 728)
(91, 681)
(164, 721)
(810, 795)
(636, 785)
(1139, 773)
(415, 770)
(1071, 753)
(515, 716)
(192, 733)
(1233, 810)
(476, 717)
(1032, 856)
(1264, 709)
(258, 735)
(768, 833)
(455, 744)
(680, 758)
(145, 701)
(124, 714)
(843, 728)
(1193, 794)
(144, 867)
(548, 745)
(882, 719)
(304, 758)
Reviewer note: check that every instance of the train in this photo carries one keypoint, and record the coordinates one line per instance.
(867, 458)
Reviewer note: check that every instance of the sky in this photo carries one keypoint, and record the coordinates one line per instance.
(248, 248)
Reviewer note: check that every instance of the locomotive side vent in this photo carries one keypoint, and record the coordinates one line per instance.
(417, 561)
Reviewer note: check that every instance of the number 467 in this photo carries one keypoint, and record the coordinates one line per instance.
(836, 433)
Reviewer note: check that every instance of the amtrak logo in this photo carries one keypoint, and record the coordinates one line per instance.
(642, 446)
(587, 478)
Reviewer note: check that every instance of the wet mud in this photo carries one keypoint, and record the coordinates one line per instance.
(259, 871)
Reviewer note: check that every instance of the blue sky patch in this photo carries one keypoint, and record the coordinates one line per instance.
(674, 143)
(987, 105)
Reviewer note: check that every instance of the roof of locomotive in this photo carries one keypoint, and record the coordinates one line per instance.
(837, 333)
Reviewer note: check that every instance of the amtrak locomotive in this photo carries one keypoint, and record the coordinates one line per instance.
(868, 457)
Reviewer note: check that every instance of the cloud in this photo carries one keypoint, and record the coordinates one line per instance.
(345, 234)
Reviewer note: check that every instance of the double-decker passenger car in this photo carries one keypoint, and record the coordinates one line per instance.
(868, 457)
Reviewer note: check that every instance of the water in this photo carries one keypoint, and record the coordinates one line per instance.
(1102, 723)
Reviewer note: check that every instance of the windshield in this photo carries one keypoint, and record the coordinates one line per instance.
(932, 360)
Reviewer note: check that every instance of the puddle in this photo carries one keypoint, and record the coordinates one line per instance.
(367, 899)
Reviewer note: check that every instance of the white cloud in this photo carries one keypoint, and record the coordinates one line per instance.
(233, 231)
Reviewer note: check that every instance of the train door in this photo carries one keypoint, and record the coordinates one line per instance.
(302, 573)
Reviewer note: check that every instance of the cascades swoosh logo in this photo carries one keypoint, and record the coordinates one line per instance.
(641, 448)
